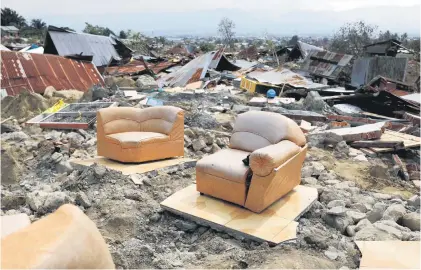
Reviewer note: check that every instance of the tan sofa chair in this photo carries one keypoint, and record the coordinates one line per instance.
(65, 239)
(130, 134)
(277, 149)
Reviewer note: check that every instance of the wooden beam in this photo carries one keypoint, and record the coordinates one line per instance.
(397, 145)
(402, 167)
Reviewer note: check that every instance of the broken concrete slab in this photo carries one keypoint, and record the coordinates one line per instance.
(364, 132)
(136, 168)
(276, 224)
(298, 114)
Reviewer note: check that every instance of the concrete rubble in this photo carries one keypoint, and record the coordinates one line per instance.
(362, 195)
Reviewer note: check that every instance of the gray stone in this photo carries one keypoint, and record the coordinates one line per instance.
(36, 200)
(55, 200)
(64, 167)
(12, 201)
(391, 230)
(338, 222)
(332, 253)
(371, 233)
(377, 212)
(82, 199)
(184, 225)
(356, 216)
(327, 176)
(315, 236)
(360, 207)
(323, 139)
(99, 171)
(187, 141)
(414, 201)
(331, 182)
(341, 150)
(332, 194)
(222, 142)
(394, 212)
(309, 181)
(362, 224)
(411, 221)
(15, 136)
(188, 132)
(207, 149)
(215, 148)
(146, 82)
(336, 203)
(76, 140)
(155, 217)
(209, 138)
(350, 230)
(382, 196)
(337, 211)
(198, 144)
(56, 157)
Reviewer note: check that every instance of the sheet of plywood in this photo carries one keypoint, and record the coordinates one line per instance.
(409, 141)
(134, 168)
(389, 254)
(276, 224)
(13, 223)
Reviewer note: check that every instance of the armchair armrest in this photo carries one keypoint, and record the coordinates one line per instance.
(264, 160)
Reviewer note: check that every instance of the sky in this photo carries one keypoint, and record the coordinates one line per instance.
(199, 17)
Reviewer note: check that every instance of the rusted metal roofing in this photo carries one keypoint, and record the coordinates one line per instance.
(326, 64)
(136, 67)
(35, 72)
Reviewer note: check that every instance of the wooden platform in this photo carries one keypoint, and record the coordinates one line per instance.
(135, 168)
(275, 225)
(13, 223)
(409, 141)
(389, 254)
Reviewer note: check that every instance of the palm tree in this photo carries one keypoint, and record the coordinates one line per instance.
(38, 24)
(11, 17)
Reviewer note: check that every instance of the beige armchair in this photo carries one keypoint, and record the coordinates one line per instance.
(276, 147)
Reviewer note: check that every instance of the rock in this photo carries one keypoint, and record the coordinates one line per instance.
(379, 171)
(99, 171)
(355, 216)
(337, 211)
(185, 226)
(377, 212)
(371, 233)
(207, 149)
(338, 222)
(362, 224)
(391, 230)
(309, 181)
(394, 212)
(188, 132)
(146, 82)
(56, 157)
(360, 158)
(317, 237)
(313, 102)
(155, 217)
(417, 183)
(64, 167)
(69, 95)
(350, 230)
(411, 221)
(9, 128)
(360, 207)
(381, 196)
(336, 203)
(17, 136)
(198, 144)
(12, 201)
(332, 253)
(331, 194)
(331, 182)
(209, 138)
(49, 91)
(317, 168)
(325, 176)
(341, 150)
(75, 139)
(323, 139)
(11, 168)
(187, 141)
(82, 199)
(414, 201)
(215, 148)
(55, 200)
(222, 142)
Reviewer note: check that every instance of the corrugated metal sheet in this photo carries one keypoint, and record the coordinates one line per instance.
(326, 64)
(284, 76)
(135, 67)
(306, 49)
(35, 72)
(101, 47)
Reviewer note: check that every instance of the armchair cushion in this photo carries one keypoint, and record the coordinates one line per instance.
(264, 160)
(226, 164)
(134, 139)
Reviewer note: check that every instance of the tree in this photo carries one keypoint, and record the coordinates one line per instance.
(97, 30)
(225, 29)
(352, 37)
(293, 41)
(207, 47)
(38, 24)
(122, 34)
(11, 17)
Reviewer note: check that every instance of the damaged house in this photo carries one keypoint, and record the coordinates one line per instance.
(101, 49)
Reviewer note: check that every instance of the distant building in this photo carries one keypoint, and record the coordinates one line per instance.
(383, 48)
(9, 31)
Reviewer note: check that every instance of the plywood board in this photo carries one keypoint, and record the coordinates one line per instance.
(135, 168)
(389, 254)
(275, 225)
(13, 223)
(409, 141)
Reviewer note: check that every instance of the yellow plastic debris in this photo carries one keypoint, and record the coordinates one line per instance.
(56, 107)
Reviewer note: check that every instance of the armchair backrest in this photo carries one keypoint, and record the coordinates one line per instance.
(255, 129)
(159, 119)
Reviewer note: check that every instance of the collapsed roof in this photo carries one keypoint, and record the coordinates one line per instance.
(63, 42)
(196, 69)
(326, 64)
(34, 72)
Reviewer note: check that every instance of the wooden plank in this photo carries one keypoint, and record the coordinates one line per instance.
(379, 116)
(397, 145)
(276, 224)
(409, 141)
